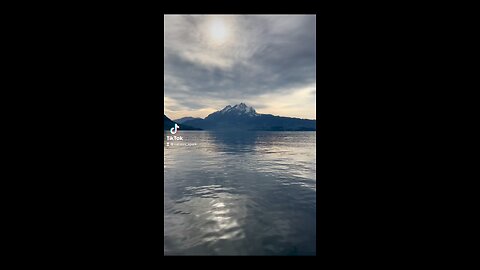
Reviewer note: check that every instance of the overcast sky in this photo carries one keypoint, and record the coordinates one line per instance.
(267, 62)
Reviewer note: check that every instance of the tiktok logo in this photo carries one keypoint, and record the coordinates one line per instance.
(174, 130)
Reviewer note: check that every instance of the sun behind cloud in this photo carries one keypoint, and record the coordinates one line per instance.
(218, 31)
(268, 62)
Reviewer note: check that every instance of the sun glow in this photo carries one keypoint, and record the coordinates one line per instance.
(218, 32)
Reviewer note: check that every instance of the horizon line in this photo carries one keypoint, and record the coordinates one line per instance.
(258, 113)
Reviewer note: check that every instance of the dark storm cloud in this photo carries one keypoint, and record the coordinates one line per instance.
(263, 55)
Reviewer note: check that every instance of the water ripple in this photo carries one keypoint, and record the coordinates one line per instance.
(250, 194)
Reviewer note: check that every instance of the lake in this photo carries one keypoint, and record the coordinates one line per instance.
(244, 193)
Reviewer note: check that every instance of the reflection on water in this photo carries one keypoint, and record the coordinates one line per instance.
(251, 193)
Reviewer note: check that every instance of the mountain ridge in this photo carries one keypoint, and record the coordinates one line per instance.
(168, 124)
(243, 117)
(184, 119)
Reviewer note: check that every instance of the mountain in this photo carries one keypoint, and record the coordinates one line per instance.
(243, 117)
(184, 119)
(168, 124)
(238, 110)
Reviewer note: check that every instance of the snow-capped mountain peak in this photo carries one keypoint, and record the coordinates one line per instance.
(226, 109)
(239, 109)
(242, 108)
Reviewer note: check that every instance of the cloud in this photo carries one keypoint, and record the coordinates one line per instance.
(254, 59)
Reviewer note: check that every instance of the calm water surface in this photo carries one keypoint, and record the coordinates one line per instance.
(249, 193)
